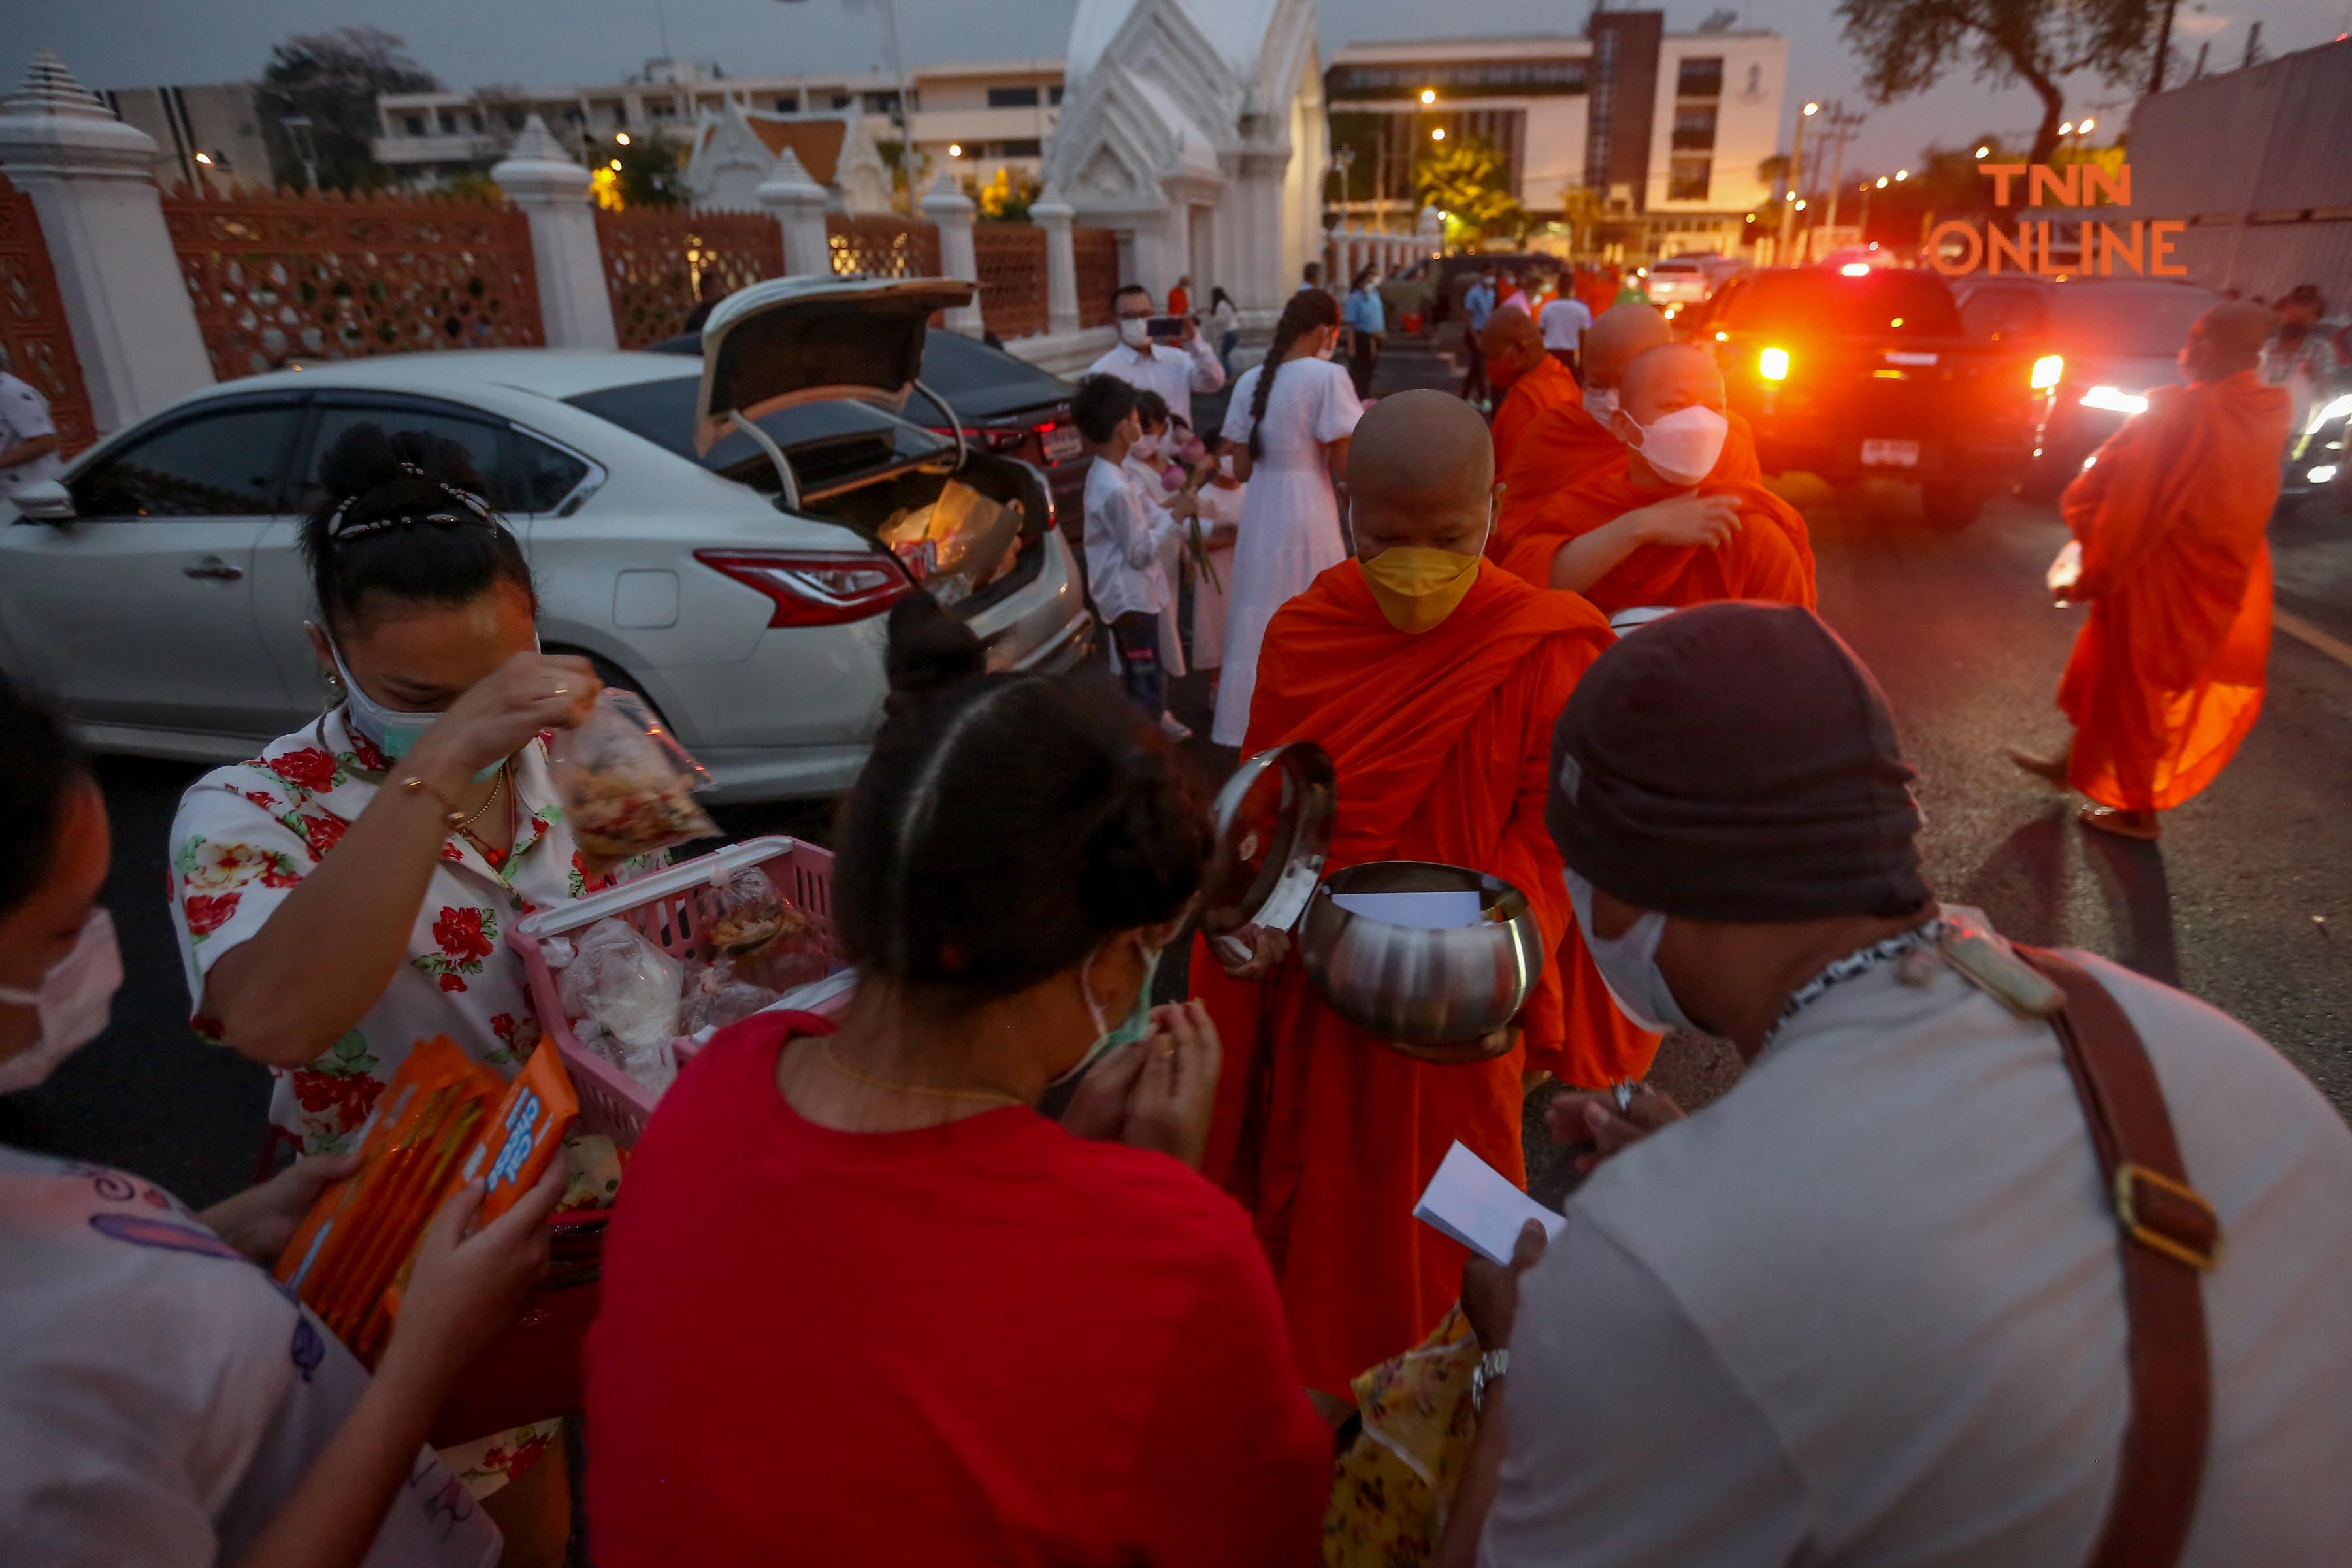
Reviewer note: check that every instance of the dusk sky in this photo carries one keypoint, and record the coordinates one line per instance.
(134, 42)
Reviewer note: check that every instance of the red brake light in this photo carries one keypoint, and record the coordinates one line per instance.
(809, 589)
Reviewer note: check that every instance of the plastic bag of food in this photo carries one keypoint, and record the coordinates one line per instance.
(624, 984)
(627, 785)
(716, 996)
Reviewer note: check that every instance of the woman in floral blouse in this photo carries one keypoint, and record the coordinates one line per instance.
(348, 893)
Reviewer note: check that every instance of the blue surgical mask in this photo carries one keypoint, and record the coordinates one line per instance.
(1107, 1037)
(391, 730)
(1629, 965)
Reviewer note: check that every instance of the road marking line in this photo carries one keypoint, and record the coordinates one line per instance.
(2304, 631)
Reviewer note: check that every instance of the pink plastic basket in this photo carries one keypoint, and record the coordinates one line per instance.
(671, 907)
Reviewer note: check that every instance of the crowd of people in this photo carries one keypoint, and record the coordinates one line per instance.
(1991, 1256)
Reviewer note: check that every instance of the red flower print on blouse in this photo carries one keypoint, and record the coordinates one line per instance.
(460, 934)
(449, 850)
(350, 1096)
(209, 911)
(324, 832)
(310, 768)
(264, 799)
(453, 981)
(364, 751)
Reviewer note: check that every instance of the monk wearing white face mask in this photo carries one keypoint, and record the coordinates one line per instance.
(1661, 526)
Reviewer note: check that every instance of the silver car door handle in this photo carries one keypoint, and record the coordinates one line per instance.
(213, 568)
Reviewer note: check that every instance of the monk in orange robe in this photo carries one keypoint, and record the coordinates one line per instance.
(1530, 382)
(1658, 526)
(1433, 680)
(2171, 518)
(1570, 440)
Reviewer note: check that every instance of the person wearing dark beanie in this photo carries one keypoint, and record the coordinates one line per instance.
(1874, 1305)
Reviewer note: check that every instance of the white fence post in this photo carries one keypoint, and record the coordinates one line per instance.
(798, 202)
(102, 216)
(1056, 216)
(952, 210)
(575, 306)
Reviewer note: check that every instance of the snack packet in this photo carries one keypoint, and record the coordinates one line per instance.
(627, 785)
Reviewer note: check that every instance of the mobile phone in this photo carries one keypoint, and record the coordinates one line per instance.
(1166, 328)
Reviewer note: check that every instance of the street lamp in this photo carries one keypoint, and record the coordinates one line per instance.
(1900, 174)
(1882, 182)
(1438, 135)
(2086, 127)
(1796, 178)
(621, 138)
(2066, 127)
(1429, 95)
(955, 149)
(1984, 151)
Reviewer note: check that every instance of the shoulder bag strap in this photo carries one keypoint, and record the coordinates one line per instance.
(2170, 1237)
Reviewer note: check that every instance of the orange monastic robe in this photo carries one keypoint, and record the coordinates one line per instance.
(2170, 670)
(1442, 743)
(1542, 389)
(1568, 443)
(1771, 556)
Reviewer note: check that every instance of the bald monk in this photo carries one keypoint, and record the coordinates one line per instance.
(1432, 679)
(1657, 526)
(1529, 381)
(1573, 440)
(2171, 518)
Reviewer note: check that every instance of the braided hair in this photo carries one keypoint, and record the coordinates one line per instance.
(1308, 310)
(404, 519)
(1004, 825)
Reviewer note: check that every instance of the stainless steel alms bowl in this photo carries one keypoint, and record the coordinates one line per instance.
(1422, 987)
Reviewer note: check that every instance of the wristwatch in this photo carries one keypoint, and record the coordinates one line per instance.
(1491, 1368)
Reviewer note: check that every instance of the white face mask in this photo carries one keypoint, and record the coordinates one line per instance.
(1629, 965)
(1682, 446)
(73, 1000)
(1134, 1027)
(1600, 402)
(1134, 331)
(1145, 446)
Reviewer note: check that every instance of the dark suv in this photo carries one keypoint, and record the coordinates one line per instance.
(1859, 371)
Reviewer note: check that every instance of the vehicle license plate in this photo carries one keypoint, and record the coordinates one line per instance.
(1062, 443)
(1890, 454)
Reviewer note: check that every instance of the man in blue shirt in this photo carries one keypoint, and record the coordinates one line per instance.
(1477, 305)
(1368, 324)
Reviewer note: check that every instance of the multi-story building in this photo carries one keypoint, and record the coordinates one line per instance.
(206, 138)
(1661, 136)
(984, 115)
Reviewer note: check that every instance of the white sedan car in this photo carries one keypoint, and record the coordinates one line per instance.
(705, 530)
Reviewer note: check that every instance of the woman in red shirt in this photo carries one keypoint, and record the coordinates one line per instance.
(862, 1302)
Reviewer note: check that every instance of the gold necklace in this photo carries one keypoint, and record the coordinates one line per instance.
(992, 1096)
(498, 790)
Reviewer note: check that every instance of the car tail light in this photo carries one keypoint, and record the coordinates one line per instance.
(1772, 364)
(2046, 372)
(811, 589)
(986, 439)
(1855, 269)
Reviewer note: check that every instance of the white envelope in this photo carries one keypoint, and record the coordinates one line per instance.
(1471, 1200)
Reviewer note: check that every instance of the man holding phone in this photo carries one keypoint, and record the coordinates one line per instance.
(1158, 353)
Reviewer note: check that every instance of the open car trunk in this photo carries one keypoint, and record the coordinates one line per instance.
(970, 538)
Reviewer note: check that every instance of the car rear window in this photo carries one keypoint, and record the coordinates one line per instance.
(1889, 302)
(827, 440)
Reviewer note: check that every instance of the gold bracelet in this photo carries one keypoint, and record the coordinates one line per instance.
(412, 784)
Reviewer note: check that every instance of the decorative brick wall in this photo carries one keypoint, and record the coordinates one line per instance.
(882, 245)
(1012, 258)
(1097, 255)
(283, 275)
(36, 343)
(660, 261)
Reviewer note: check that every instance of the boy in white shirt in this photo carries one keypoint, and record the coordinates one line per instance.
(1126, 534)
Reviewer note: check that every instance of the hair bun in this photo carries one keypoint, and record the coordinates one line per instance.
(928, 650)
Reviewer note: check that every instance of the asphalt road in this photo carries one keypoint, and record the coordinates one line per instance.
(2247, 902)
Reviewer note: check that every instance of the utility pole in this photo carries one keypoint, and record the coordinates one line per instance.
(2163, 49)
(1842, 126)
(1796, 177)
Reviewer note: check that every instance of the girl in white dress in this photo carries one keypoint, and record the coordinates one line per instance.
(1291, 418)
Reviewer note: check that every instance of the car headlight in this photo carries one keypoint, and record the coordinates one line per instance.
(2335, 409)
(2046, 372)
(2115, 400)
(1772, 364)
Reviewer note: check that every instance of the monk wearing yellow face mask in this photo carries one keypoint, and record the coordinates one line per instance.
(1433, 678)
